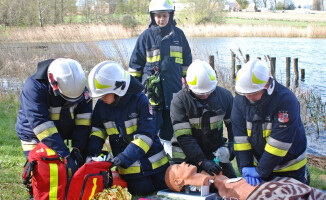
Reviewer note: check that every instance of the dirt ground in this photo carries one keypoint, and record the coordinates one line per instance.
(316, 161)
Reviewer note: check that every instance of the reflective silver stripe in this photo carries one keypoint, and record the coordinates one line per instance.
(110, 124)
(194, 120)
(72, 108)
(94, 129)
(176, 48)
(291, 162)
(177, 149)
(29, 142)
(153, 53)
(184, 68)
(216, 118)
(135, 164)
(227, 121)
(180, 126)
(84, 116)
(241, 139)
(278, 144)
(144, 138)
(131, 122)
(55, 110)
(249, 125)
(42, 127)
(157, 156)
(267, 126)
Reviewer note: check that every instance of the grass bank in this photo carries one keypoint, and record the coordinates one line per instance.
(12, 158)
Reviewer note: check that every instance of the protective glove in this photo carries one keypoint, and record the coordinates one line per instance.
(210, 167)
(251, 175)
(72, 167)
(75, 154)
(231, 150)
(117, 162)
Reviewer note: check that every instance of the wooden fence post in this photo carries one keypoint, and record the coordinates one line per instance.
(211, 61)
(232, 66)
(287, 69)
(296, 72)
(273, 66)
(302, 74)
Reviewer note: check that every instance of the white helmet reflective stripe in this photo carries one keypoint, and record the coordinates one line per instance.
(201, 78)
(252, 77)
(108, 77)
(161, 5)
(69, 77)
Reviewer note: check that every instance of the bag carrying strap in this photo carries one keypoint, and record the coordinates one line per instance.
(27, 176)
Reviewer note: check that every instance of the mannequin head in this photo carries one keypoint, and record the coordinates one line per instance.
(179, 175)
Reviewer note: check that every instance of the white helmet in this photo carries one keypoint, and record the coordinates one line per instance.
(252, 77)
(67, 78)
(161, 5)
(201, 78)
(108, 77)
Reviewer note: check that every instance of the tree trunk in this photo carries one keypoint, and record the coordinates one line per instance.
(55, 12)
(40, 13)
(61, 13)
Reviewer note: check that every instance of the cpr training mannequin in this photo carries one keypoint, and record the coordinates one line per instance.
(179, 175)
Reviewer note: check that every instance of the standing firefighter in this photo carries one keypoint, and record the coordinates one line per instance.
(124, 114)
(269, 136)
(197, 114)
(54, 106)
(159, 60)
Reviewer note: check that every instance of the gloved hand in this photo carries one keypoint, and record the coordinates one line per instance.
(251, 175)
(116, 161)
(75, 154)
(231, 150)
(210, 167)
(72, 167)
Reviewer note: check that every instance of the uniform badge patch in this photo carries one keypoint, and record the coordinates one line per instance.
(283, 117)
(150, 109)
(86, 95)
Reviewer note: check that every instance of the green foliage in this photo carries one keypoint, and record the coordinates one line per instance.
(243, 3)
(129, 22)
(316, 180)
(204, 11)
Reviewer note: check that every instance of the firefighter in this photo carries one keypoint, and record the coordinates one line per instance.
(54, 106)
(197, 114)
(269, 137)
(124, 113)
(159, 60)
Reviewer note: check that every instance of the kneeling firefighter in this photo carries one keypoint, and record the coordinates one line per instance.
(54, 106)
(124, 113)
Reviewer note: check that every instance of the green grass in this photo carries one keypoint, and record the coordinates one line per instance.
(12, 158)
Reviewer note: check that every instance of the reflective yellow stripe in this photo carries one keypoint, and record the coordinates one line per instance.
(46, 133)
(131, 129)
(55, 116)
(160, 162)
(249, 132)
(196, 126)
(179, 61)
(216, 125)
(180, 132)
(129, 170)
(242, 147)
(178, 155)
(293, 167)
(141, 144)
(93, 189)
(151, 101)
(85, 122)
(175, 54)
(50, 152)
(266, 133)
(72, 115)
(184, 72)
(153, 59)
(136, 74)
(53, 181)
(28, 147)
(99, 134)
(112, 131)
(275, 151)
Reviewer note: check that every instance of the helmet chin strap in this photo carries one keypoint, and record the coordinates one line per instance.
(116, 101)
